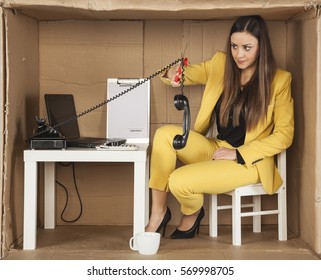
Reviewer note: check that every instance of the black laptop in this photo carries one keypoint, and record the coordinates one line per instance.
(61, 107)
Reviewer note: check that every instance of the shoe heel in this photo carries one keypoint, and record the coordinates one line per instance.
(164, 230)
(198, 229)
(164, 222)
(178, 234)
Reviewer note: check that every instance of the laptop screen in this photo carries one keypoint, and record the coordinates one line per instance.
(61, 107)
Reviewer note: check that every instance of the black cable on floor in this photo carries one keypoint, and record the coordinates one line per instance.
(67, 196)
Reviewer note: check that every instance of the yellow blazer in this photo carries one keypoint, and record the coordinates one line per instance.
(269, 137)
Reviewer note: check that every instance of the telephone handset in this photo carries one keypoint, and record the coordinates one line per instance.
(46, 130)
(181, 103)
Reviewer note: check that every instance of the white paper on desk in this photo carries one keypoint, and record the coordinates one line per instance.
(128, 115)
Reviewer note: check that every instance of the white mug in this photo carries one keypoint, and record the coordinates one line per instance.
(147, 243)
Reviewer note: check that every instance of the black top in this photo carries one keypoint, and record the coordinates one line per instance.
(234, 135)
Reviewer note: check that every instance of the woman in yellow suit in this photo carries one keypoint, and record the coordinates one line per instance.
(253, 109)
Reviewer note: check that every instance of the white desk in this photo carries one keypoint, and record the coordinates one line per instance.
(50, 157)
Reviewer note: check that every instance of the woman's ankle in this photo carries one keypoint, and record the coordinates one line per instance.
(188, 221)
(155, 218)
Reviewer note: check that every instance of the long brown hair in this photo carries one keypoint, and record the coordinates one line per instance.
(254, 99)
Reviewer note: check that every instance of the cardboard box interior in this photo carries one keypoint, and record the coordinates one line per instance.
(46, 52)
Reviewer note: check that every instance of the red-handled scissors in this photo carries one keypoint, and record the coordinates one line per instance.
(184, 62)
(179, 70)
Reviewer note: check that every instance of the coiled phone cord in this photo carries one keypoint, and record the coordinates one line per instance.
(53, 127)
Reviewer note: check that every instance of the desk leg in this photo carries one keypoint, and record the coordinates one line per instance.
(50, 195)
(147, 191)
(141, 196)
(30, 206)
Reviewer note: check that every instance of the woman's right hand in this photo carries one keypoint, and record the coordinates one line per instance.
(174, 74)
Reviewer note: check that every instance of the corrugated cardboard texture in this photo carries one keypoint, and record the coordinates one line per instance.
(318, 148)
(78, 56)
(22, 93)
(146, 9)
(106, 192)
(2, 115)
(302, 177)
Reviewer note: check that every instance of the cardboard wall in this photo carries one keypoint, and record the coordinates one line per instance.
(304, 180)
(146, 9)
(78, 56)
(2, 114)
(21, 104)
(317, 199)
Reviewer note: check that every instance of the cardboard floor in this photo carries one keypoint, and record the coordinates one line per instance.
(111, 243)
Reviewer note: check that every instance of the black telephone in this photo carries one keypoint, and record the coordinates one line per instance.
(46, 137)
(44, 130)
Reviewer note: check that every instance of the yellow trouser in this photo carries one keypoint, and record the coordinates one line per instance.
(200, 175)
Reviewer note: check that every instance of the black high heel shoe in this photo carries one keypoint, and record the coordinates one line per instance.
(166, 219)
(179, 234)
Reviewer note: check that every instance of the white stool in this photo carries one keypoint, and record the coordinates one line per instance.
(256, 191)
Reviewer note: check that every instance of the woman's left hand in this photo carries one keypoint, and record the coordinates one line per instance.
(224, 153)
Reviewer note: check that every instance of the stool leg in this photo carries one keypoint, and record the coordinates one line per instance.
(213, 224)
(257, 218)
(236, 218)
(282, 219)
